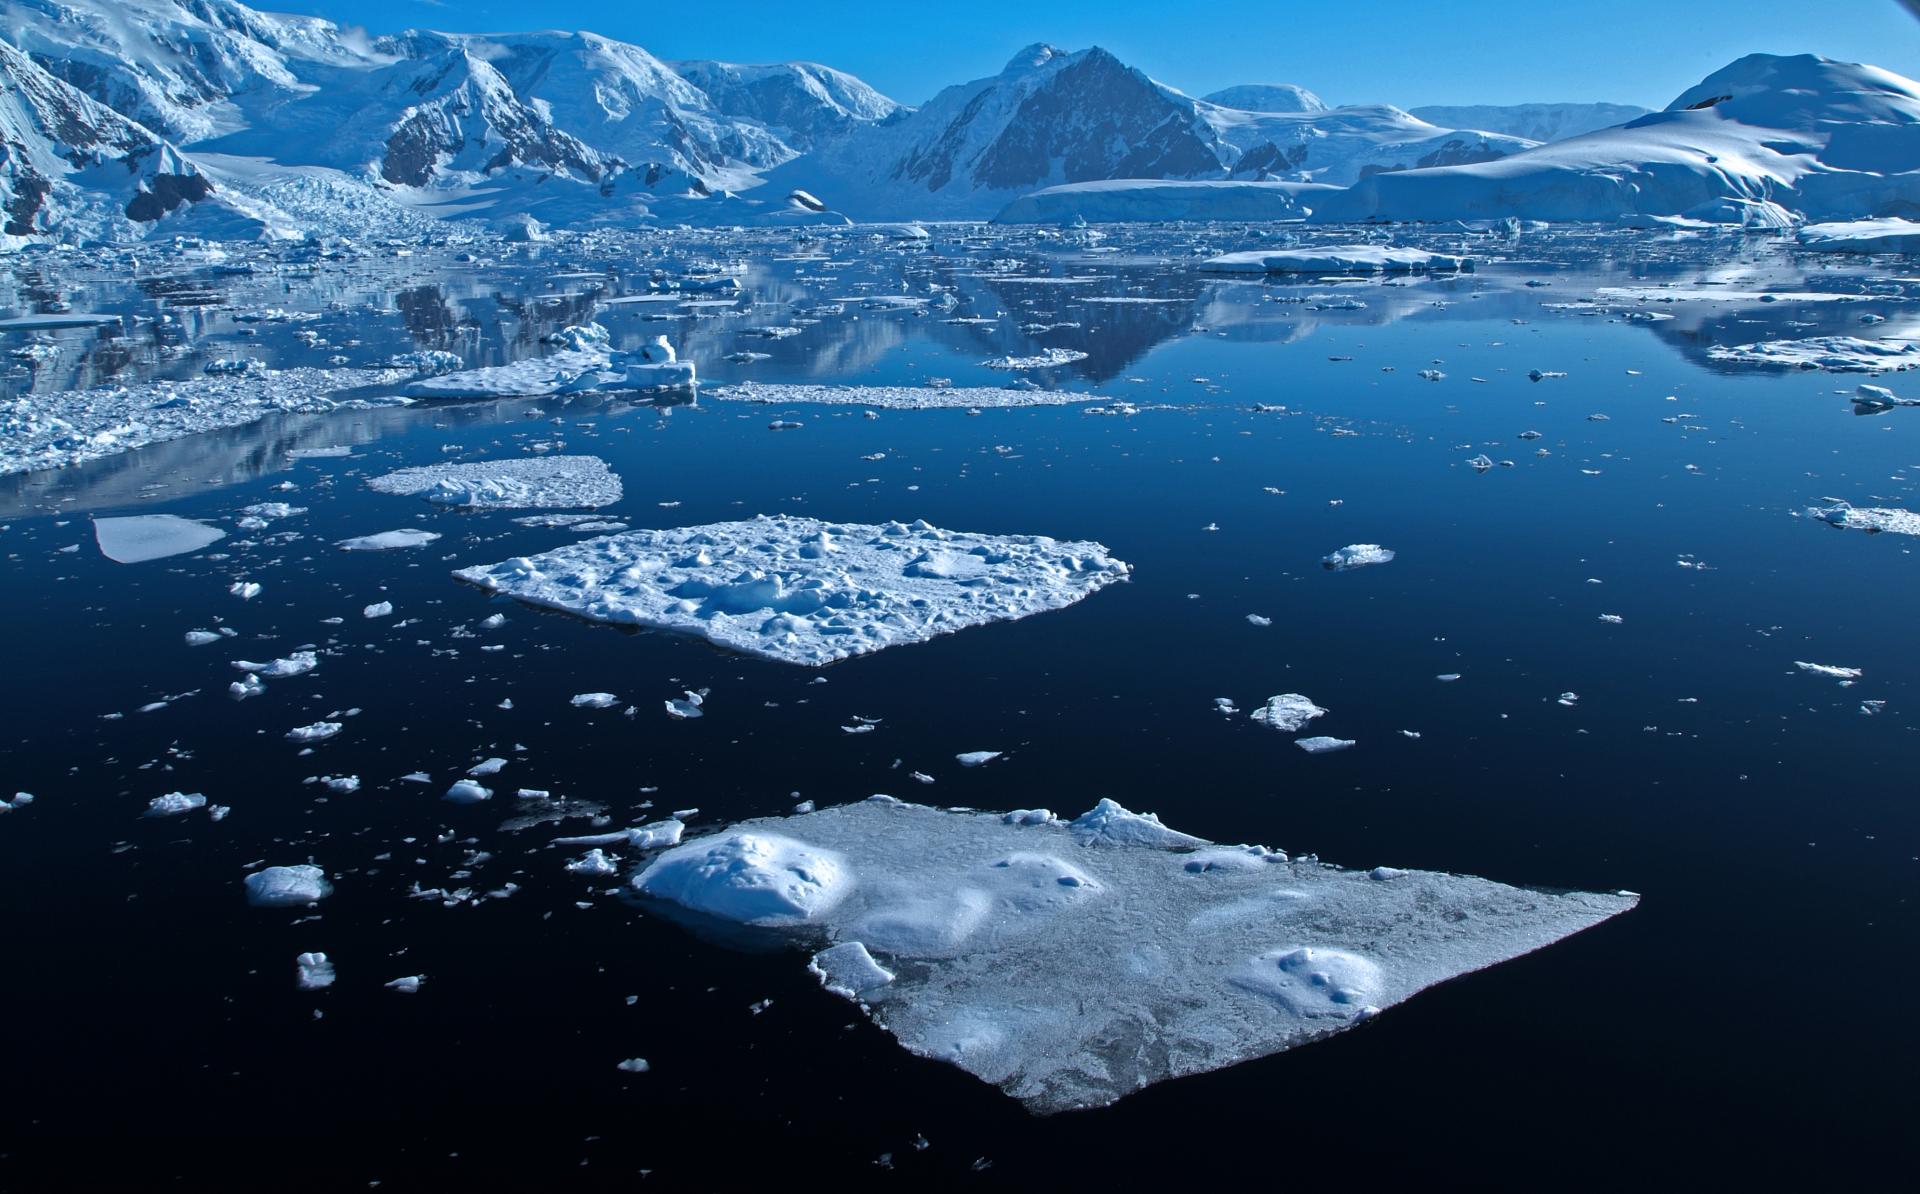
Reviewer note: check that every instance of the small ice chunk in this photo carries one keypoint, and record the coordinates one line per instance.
(686, 707)
(173, 804)
(633, 1065)
(487, 767)
(594, 700)
(1322, 745)
(1357, 555)
(378, 609)
(407, 985)
(977, 758)
(200, 638)
(319, 731)
(287, 886)
(1828, 669)
(594, 863)
(313, 972)
(1288, 712)
(466, 791)
(388, 540)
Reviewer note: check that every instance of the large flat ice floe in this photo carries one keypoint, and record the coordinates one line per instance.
(1872, 519)
(1336, 259)
(39, 431)
(1841, 354)
(1863, 236)
(805, 591)
(896, 397)
(1072, 963)
(141, 537)
(527, 483)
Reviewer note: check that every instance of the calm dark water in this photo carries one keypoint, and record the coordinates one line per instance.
(1746, 1024)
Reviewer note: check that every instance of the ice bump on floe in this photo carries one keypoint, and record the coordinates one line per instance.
(804, 591)
(525, 483)
(1073, 963)
(142, 537)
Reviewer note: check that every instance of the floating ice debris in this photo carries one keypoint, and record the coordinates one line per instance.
(1447, 677)
(1569, 699)
(895, 397)
(1543, 375)
(784, 425)
(388, 540)
(247, 686)
(508, 484)
(805, 591)
(633, 1065)
(594, 863)
(594, 700)
(142, 537)
(340, 784)
(173, 804)
(1258, 620)
(466, 791)
(313, 972)
(578, 370)
(1612, 619)
(1225, 705)
(1322, 745)
(1889, 235)
(686, 707)
(1051, 358)
(287, 886)
(994, 929)
(1481, 463)
(200, 638)
(492, 766)
(20, 800)
(245, 590)
(297, 664)
(1828, 669)
(1357, 555)
(976, 758)
(378, 609)
(1842, 354)
(317, 732)
(408, 985)
(1336, 259)
(1871, 519)
(1288, 712)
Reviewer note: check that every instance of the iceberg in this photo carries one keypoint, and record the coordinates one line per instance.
(1073, 963)
(585, 367)
(805, 591)
(142, 537)
(508, 484)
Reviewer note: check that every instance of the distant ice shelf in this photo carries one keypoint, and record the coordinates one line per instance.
(1071, 963)
(805, 591)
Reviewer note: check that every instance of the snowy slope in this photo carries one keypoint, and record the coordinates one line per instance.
(1267, 97)
(1343, 145)
(1535, 122)
(1829, 140)
(801, 103)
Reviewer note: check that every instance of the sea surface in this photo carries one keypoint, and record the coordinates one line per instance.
(151, 1032)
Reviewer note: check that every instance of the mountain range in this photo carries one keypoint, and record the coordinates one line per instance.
(206, 117)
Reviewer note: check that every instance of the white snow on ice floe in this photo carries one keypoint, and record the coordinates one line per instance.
(1336, 259)
(287, 886)
(1872, 519)
(388, 540)
(588, 367)
(526, 483)
(896, 397)
(143, 537)
(1841, 354)
(1863, 236)
(1070, 966)
(1357, 555)
(805, 591)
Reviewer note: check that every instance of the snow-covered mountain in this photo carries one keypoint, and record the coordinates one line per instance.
(1053, 118)
(1267, 97)
(1535, 122)
(570, 127)
(1824, 139)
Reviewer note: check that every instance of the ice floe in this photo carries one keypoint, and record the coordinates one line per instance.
(142, 537)
(388, 540)
(586, 367)
(518, 484)
(896, 397)
(1072, 963)
(1841, 354)
(1336, 259)
(1872, 519)
(1357, 555)
(1287, 712)
(287, 886)
(802, 590)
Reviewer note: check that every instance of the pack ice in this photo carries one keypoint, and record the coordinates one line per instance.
(1072, 963)
(528, 483)
(804, 591)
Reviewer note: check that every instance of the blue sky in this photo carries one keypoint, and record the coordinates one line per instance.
(1394, 51)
